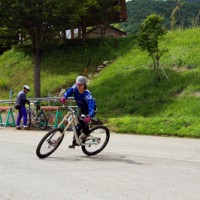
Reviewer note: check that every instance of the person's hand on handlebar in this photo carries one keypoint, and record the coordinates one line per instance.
(63, 100)
(87, 119)
(27, 101)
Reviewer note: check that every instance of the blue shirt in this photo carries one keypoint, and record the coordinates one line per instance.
(84, 101)
(21, 98)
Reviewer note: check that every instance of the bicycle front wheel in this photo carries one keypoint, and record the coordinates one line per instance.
(97, 141)
(50, 142)
(42, 120)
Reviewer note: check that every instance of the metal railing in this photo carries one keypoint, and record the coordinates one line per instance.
(49, 106)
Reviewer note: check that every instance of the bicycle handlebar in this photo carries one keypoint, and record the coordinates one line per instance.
(69, 108)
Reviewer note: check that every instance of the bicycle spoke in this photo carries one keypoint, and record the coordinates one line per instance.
(97, 140)
(49, 143)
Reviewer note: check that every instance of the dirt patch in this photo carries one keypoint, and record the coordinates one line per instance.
(196, 94)
(181, 69)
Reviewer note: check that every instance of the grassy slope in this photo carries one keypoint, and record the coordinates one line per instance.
(60, 65)
(126, 95)
(132, 103)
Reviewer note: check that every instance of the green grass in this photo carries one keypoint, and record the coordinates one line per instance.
(132, 103)
(127, 98)
(181, 127)
(16, 69)
(60, 64)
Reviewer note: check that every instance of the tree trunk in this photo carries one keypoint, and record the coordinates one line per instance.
(84, 32)
(37, 63)
(79, 33)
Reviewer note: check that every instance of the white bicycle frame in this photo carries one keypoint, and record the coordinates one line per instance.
(72, 120)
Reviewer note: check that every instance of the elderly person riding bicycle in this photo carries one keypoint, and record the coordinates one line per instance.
(86, 104)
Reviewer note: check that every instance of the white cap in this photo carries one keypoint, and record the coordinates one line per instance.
(26, 87)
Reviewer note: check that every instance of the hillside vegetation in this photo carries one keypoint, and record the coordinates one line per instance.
(186, 13)
(127, 98)
(60, 64)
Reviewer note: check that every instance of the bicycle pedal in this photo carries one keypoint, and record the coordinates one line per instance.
(83, 137)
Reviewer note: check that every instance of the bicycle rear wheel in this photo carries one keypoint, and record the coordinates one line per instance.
(29, 119)
(50, 142)
(97, 141)
(42, 120)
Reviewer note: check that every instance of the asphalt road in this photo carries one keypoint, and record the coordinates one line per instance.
(131, 167)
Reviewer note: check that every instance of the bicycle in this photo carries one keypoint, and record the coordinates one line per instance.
(94, 144)
(34, 117)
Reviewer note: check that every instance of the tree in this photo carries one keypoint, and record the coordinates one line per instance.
(103, 12)
(179, 4)
(7, 37)
(39, 21)
(151, 31)
(195, 20)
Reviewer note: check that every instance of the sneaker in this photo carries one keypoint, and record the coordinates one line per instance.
(26, 128)
(18, 128)
(72, 146)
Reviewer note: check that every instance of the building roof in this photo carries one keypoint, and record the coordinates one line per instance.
(98, 26)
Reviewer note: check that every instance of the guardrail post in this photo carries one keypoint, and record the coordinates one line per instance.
(1, 121)
(10, 117)
(10, 114)
(58, 116)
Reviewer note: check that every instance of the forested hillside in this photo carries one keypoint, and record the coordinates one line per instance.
(185, 16)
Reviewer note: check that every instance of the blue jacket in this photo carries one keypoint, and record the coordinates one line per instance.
(21, 98)
(84, 101)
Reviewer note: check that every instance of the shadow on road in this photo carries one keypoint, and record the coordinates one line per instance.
(113, 158)
(100, 158)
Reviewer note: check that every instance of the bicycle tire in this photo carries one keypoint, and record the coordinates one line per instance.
(42, 120)
(29, 122)
(100, 131)
(51, 142)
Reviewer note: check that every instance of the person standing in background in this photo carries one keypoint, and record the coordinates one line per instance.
(21, 101)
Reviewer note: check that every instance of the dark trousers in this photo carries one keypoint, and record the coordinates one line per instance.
(22, 113)
(82, 126)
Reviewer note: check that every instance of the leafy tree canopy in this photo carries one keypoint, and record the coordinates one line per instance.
(41, 21)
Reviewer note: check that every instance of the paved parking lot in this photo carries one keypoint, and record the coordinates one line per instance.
(131, 167)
